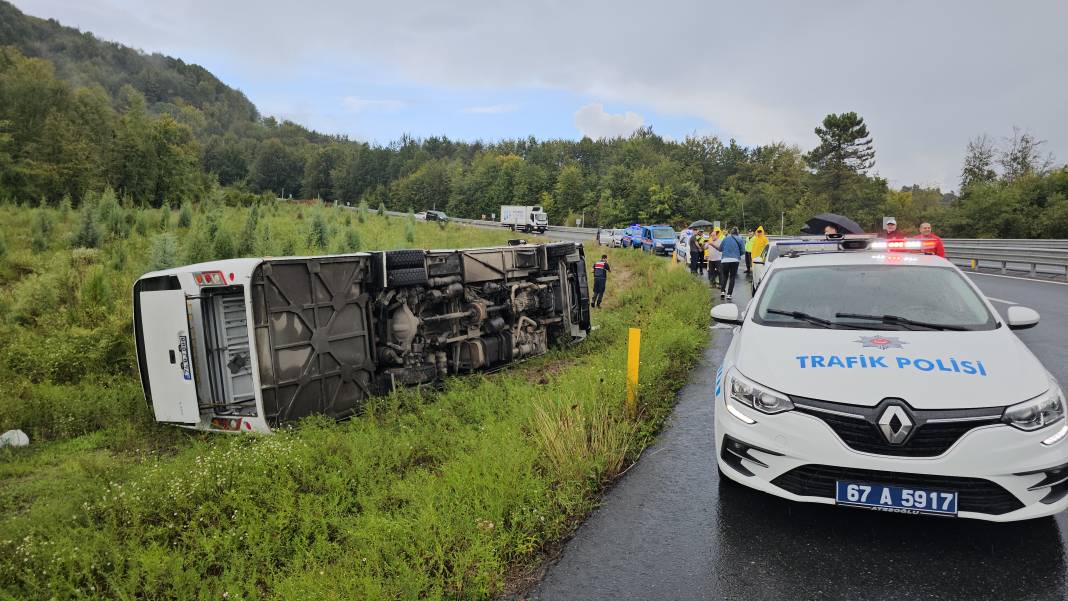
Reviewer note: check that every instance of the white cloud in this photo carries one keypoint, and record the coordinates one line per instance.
(363, 105)
(493, 109)
(592, 120)
(926, 76)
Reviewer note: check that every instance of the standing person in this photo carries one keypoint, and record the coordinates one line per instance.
(733, 248)
(749, 252)
(694, 248)
(701, 254)
(890, 232)
(600, 280)
(926, 234)
(713, 258)
(757, 244)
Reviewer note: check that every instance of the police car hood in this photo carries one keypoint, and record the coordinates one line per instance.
(928, 369)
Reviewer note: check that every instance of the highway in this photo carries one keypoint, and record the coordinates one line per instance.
(669, 530)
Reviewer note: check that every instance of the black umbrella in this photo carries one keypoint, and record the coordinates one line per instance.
(700, 223)
(844, 225)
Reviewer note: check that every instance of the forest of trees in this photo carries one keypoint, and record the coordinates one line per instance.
(78, 115)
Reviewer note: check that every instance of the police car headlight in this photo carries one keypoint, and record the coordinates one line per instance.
(1039, 412)
(753, 395)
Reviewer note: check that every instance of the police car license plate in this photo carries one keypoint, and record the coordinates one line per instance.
(896, 499)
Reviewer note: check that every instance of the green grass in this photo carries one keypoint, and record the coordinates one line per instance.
(426, 495)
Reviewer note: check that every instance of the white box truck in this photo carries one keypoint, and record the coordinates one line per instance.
(250, 344)
(524, 218)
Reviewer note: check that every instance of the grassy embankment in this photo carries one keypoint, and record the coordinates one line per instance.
(426, 495)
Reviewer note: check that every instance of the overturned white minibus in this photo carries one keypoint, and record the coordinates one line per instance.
(248, 344)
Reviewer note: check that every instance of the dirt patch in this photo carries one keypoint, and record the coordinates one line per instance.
(545, 372)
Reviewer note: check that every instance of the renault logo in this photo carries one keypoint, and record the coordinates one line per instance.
(895, 424)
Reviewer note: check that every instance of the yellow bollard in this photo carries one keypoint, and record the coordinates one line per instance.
(634, 346)
(973, 264)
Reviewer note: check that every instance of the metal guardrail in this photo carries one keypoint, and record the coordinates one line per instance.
(1004, 255)
(1002, 252)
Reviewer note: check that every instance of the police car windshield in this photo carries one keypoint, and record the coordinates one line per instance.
(935, 295)
(662, 232)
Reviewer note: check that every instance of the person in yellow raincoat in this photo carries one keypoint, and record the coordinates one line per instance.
(759, 242)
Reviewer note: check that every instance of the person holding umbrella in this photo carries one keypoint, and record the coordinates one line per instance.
(841, 225)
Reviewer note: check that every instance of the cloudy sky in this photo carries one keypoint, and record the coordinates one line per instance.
(925, 75)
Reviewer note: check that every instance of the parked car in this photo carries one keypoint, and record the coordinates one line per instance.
(436, 216)
(682, 246)
(632, 236)
(873, 377)
(617, 237)
(421, 215)
(658, 239)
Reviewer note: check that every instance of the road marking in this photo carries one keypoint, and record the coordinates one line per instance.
(998, 300)
(1013, 277)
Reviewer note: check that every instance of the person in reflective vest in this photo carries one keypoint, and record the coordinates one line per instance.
(600, 280)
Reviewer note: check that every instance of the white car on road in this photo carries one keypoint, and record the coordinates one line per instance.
(886, 380)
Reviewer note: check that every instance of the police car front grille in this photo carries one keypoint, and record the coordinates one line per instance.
(974, 494)
(934, 431)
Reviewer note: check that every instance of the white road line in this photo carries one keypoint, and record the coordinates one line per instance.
(1013, 277)
(998, 300)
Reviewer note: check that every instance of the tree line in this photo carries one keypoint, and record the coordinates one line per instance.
(67, 131)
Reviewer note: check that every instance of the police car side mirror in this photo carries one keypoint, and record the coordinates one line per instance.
(1021, 318)
(726, 313)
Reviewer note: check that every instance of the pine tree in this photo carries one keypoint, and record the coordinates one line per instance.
(319, 235)
(164, 252)
(185, 216)
(87, 236)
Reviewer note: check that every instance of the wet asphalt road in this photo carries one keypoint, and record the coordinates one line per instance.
(670, 530)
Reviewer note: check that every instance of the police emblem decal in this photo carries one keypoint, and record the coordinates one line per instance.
(881, 342)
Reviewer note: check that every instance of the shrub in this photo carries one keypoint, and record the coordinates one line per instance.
(118, 223)
(95, 292)
(361, 212)
(352, 241)
(381, 209)
(141, 223)
(65, 205)
(248, 234)
(319, 234)
(41, 230)
(118, 258)
(223, 245)
(185, 216)
(3, 247)
(264, 246)
(165, 218)
(87, 235)
(163, 253)
(35, 296)
(106, 205)
(409, 232)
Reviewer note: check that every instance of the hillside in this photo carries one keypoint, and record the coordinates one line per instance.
(83, 60)
(79, 115)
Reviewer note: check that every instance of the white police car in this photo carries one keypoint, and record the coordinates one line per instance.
(886, 380)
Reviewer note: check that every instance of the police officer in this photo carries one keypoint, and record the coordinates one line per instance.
(600, 279)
